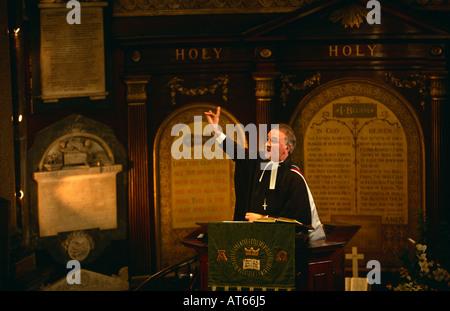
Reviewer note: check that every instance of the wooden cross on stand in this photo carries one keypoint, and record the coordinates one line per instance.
(354, 256)
(355, 283)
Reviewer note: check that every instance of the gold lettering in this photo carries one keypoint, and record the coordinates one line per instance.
(347, 50)
(333, 50)
(217, 51)
(357, 51)
(179, 53)
(221, 255)
(205, 54)
(193, 54)
(282, 256)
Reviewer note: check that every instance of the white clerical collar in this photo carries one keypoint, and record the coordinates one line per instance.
(273, 173)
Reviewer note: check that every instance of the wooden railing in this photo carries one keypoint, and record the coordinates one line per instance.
(181, 276)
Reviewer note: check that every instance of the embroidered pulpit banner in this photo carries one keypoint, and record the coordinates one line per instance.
(243, 255)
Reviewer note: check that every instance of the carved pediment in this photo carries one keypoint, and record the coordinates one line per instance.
(202, 7)
(280, 20)
(77, 148)
(338, 19)
(169, 7)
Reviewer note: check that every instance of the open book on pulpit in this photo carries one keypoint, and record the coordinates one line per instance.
(283, 220)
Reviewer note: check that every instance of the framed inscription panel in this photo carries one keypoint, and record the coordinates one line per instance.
(362, 154)
(356, 151)
(195, 188)
(71, 55)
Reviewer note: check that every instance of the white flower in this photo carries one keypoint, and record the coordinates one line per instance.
(421, 248)
(424, 267)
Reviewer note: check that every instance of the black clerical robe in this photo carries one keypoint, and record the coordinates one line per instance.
(289, 197)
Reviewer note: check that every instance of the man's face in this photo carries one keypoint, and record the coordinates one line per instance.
(276, 148)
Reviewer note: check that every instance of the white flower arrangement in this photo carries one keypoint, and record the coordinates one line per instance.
(421, 274)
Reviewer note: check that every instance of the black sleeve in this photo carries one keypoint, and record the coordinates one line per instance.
(237, 152)
(244, 166)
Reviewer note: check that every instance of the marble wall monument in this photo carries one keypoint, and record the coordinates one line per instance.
(77, 169)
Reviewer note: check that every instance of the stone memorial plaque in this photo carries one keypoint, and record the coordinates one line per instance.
(77, 199)
(189, 191)
(362, 155)
(72, 55)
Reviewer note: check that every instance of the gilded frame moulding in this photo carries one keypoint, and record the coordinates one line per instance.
(287, 85)
(183, 7)
(417, 80)
(176, 87)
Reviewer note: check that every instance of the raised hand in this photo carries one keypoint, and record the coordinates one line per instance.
(213, 118)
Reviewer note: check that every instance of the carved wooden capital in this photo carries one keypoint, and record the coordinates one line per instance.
(265, 84)
(438, 88)
(136, 89)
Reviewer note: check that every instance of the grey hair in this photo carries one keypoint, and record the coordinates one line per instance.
(290, 136)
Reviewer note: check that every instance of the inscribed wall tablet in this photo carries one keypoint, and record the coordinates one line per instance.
(77, 199)
(72, 55)
(189, 191)
(355, 156)
(362, 154)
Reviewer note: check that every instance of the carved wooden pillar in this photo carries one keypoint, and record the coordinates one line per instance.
(265, 94)
(139, 213)
(438, 97)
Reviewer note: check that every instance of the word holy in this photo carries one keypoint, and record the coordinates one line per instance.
(186, 142)
(194, 54)
(352, 50)
(74, 16)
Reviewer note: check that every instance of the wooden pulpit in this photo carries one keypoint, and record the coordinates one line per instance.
(319, 265)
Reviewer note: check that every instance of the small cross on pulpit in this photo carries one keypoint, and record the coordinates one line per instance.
(264, 205)
(354, 256)
(355, 283)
